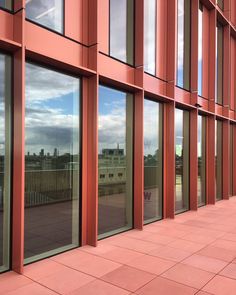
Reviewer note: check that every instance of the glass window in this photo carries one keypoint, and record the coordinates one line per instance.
(115, 196)
(201, 182)
(181, 160)
(231, 163)
(6, 4)
(152, 160)
(220, 3)
(200, 48)
(52, 162)
(122, 30)
(46, 13)
(150, 36)
(5, 159)
(219, 63)
(183, 58)
(218, 158)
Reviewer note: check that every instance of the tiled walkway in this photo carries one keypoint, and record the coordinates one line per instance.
(193, 254)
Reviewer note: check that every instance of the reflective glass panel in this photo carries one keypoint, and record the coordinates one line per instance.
(201, 182)
(5, 159)
(183, 57)
(220, 3)
(152, 160)
(181, 160)
(218, 158)
(47, 13)
(115, 197)
(52, 162)
(219, 63)
(122, 30)
(6, 4)
(200, 48)
(150, 36)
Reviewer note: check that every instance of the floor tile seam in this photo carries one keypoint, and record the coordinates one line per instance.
(140, 239)
(83, 272)
(113, 284)
(181, 283)
(169, 260)
(217, 274)
(194, 242)
(224, 268)
(121, 247)
(151, 273)
(42, 285)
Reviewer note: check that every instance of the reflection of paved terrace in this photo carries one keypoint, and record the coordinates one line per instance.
(195, 251)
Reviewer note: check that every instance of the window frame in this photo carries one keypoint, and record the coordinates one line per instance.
(54, 252)
(48, 28)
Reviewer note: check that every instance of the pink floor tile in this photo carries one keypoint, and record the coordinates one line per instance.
(188, 275)
(128, 278)
(203, 239)
(187, 245)
(205, 263)
(87, 263)
(170, 253)
(99, 288)
(11, 281)
(136, 234)
(202, 293)
(225, 244)
(99, 250)
(122, 255)
(229, 271)
(152, 264)
(133, 244)
(65, 281)
(221, 286)
(31, 289)
(218, 253)
(159, 239)
(161, 286)
(42, 269)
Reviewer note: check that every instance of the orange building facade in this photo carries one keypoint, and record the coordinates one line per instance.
(107, 126)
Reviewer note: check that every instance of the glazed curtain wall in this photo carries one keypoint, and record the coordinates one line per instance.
(183, 44)
(115, 161)
(122, 30)
(153, 160)
(46, 13)
(52, 162)
(181, 160)
(5, 159)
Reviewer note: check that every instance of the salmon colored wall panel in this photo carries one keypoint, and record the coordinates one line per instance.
(182, 96)
(205, 51)
(233, 12)
(193, 175)
(169, 160)
(18, 151)
(225, 168)
(219, 110)
(6, 25)
(74, 19)
(161, 39)
(154, 85)
(113, 69)
(203, 103)
(210, 160)
(103, 26)
(233, 73)
(138, 160)
(56, 46)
